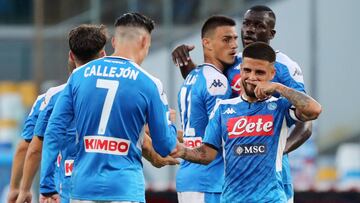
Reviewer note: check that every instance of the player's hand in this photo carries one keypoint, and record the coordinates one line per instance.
(24, 197)
(160, 162)
(179, 151)
(55, 198)
(12, 196)
(172, 115)
(263, 89)
(180, 55)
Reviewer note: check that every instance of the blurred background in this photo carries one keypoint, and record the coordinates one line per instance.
(322, 36)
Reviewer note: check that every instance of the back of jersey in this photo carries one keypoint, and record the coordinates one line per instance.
(112, 100)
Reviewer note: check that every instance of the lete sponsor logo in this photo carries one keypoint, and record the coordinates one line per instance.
(243, 126)
(250, 149)
(106, 145)
(192, 142)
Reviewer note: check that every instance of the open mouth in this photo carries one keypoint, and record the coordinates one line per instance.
(233, 53)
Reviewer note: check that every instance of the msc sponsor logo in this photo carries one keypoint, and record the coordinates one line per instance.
(243, 126)
(192, 142)
(250, 149)
(68, 164)
(106, 145)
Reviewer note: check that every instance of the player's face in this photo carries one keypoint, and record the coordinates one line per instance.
(255, 70)
(256, 27)
(224, 44)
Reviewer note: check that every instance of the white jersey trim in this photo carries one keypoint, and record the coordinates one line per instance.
(36, 101)
(157, 82)
(281, 145)
(235, 100)
(294, 69)
(216, 82)
(49, 94)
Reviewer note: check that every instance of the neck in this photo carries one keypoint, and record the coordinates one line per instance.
(249, 99)
(215, 62)
(128, 51)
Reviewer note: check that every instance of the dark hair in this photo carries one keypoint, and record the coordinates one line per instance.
(261, 51)
(135, 20)
(215, 21)
(85, 41)
(262, 8)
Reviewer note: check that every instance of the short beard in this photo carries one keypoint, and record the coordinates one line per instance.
(249, 93)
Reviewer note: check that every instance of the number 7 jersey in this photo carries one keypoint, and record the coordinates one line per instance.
(111, 99)
(197, 97)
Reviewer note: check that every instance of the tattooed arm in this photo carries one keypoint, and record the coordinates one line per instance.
(204, 154)
(306, 107)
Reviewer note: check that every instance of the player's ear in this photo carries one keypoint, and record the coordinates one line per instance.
(71, 56)
(145, 41)
(102, 53)
(272, 71)
(206, 43)
(273, 32)
(113, 42)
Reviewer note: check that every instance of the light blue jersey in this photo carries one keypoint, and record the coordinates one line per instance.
(110, 99)
(196, 99)
(30, 122)
(288, 73)
(253, 137)
(67, 152)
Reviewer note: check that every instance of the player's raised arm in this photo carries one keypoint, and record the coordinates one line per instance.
(181, 57)
(306, 107)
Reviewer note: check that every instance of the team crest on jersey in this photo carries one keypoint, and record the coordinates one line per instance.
(245, 126)
(272, 106)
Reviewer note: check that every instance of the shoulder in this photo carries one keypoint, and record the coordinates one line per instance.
(152, 81)
(39, 99)
(50, 94)
(288, 65)
(37, 104)
(286, 61)
(216, 82)
(224, 103)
